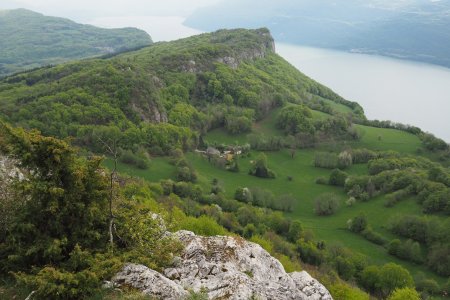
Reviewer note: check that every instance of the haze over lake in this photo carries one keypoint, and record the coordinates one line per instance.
(388, 89)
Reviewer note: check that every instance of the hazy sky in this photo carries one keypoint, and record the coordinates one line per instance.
(84, 10)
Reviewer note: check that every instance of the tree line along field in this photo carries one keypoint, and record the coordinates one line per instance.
(331, 229)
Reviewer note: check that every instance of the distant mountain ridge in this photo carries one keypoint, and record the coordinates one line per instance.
(411, 29)
(30, 40)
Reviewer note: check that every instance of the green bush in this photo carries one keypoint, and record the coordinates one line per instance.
(203, 225)
(128, 157)
(373, 236)
(321, 180)
(326, 204)
(53, 283)
(404, 294)
(397, 196)
(337, 177)
(362, 156)
(358, 223)
(429, 286)
(342, 291)
(382, 281)
(187, 174)
(236, 125)
(326, 160)
(345, 159)
(295, 119)
(260, 169)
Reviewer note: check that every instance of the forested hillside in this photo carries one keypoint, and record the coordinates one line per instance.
(221, 136)
(185, 88)
(30, 40)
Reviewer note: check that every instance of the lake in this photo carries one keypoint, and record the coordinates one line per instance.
(388, 89)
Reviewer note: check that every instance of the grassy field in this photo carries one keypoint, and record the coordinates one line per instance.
(387, 139)
(331, 229)
(159, 168)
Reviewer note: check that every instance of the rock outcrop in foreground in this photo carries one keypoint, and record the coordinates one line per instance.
(226, 268)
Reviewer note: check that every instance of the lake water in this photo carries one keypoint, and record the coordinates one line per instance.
(388, 89)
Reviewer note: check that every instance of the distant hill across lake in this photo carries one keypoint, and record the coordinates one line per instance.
(408, 29)
(29, 40)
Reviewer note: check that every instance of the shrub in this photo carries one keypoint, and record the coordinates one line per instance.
(397, 196)
(326, 204)
(438, 201)
(370, 279)
(373, 236)
(326, 160)
(350, 201)
(243, 195)
(262, 197)
(433, 143)
(358, 223)
(128, 157)
(203, 225)
(295, 119)
(187, 174)
(321, 180)
(285, 202)
(236, 125)
(404, 294)
(52, 283)
(260, 169)
(344, 160)
(428, 286)
(341, 291)
(392, 277)
(439, 259)
(295, 231)
(337, 177)
(358, 193)
(309, 253)
(361, 156)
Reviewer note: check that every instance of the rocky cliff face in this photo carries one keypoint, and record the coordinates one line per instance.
(225, 268)
(8, 169)
(265, 45)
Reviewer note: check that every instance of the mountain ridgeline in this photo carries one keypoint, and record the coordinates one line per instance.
(31, 40)
(411, 29)
(229, 78)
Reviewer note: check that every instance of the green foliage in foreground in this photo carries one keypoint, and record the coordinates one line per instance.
(31, 40)
(57, 241)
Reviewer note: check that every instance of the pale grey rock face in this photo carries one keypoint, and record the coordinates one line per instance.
(8, 169)
(310, 286)
(226, 268)
(149, 282)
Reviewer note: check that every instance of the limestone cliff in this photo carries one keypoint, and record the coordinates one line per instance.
(225, 268)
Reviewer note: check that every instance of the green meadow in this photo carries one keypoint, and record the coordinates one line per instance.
(331, 229)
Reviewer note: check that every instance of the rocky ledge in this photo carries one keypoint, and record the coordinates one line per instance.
(225, 268)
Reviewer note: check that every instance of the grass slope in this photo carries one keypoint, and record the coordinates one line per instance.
(331, 229)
